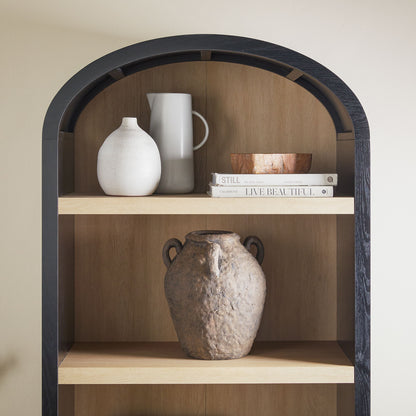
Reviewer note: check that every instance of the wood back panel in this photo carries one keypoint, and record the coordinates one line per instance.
(271, 400)
(66, 284)
(140, 400)
(345, 400)
(119, 274)
(248, 110)
(346, 278)
(209, 400)
(66, 400)
(255, 111)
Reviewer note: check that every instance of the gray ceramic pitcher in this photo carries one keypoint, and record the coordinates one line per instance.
(171, 129)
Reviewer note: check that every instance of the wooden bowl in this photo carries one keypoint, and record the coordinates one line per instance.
(271, 162)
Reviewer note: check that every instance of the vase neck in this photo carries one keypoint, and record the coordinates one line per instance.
(129, 123)
(213, 236)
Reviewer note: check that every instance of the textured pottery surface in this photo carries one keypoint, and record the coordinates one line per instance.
(271, 162)
(216, 290)
(128, 161)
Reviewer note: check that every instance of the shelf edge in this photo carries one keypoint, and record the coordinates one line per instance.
(180, 375)
(199, 205)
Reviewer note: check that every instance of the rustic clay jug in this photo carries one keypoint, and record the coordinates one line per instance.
(216, 290)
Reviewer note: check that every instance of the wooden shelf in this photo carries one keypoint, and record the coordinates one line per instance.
(165, 363)
(200, 204)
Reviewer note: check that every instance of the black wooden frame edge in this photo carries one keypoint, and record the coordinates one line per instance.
(188, 44)
(362, 279)
(49, 278)
(67, 97)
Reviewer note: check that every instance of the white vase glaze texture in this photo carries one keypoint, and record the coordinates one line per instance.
(128, 161)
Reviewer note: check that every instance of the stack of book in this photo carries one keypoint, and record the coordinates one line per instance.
(294, 185)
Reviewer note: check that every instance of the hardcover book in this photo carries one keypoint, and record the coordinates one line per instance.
(300, 179)
(270, 191)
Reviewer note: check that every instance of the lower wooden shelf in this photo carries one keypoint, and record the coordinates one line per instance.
(165, 363)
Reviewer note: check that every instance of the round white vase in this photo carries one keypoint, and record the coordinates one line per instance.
(128, 161)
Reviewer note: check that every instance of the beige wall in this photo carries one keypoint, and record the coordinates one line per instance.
(368, 43)
(36, 61)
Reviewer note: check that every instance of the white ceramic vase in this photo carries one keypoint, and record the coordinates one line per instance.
(128, 161)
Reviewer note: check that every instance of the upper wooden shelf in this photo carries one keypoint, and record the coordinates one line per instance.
(165, 363)
(200, 204)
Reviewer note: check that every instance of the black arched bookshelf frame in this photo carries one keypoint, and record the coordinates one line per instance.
(343, 106)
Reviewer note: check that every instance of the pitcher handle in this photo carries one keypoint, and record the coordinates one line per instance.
(173, 242)
(252, 240)
(198, 146)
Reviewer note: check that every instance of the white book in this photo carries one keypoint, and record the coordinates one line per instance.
(270, 191)
(285, 179)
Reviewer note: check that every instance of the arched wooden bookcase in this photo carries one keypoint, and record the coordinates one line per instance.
(102, 269)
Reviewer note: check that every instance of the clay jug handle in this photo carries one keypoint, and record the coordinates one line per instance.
(173, 242)
(252, 240)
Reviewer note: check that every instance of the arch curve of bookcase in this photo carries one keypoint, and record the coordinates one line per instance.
(333, 93)
(342, 105)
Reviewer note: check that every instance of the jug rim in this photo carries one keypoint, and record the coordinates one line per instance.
(212, 235)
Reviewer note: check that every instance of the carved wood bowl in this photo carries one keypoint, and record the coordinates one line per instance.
(271, 162)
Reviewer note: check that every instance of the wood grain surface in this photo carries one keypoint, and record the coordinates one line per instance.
(211, 400)
(66, 163)
(271, 400)
(270, 114)
(140, 400)
(273, 163)
(66, 285)
(66, 400)
(166, 363)
(79, 204)
(362, 279)
(345, 281)
(119, 274)
(345, 400)
(345, 167)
